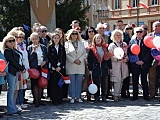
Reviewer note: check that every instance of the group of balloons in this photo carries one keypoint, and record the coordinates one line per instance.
(33, 73)
(154, 44)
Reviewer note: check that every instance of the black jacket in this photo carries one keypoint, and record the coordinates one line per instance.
(98, 69)
(12, 57)
(54, 58)
(144, 54)
(32, 56)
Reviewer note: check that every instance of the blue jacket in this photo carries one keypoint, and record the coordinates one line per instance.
(2, 81)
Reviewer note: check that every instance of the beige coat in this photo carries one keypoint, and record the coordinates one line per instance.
(119, 69)
(72, 55)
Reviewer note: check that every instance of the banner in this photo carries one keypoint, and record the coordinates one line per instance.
(43, 10)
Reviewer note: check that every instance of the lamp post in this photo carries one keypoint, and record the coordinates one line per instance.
(137, 13)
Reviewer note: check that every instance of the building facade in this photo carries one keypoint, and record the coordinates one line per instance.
(113, 10)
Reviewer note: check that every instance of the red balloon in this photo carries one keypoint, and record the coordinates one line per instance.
(2, 65)
(148, 41)
(135, 49)
(42, 82)
(33, 73)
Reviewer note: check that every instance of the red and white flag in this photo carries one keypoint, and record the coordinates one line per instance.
(44, 72)
(129, 6)
(143, 5)
(24, 84)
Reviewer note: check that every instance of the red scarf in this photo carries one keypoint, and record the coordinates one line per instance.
(107, 55)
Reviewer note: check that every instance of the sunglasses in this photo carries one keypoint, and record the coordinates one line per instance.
(20, 37)
(10, 41)
(90, 31)
(74, 33)
(139, 31)
(44, 31)
(145, 28)
(128, 28)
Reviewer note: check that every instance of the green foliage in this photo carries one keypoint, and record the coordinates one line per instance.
(68, 11)
(12, 14)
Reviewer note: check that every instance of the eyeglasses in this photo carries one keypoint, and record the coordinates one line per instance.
(139, 31)
(145, 28)
(90, 31)
(74, 33)
(20, 37)
(10, 41)
(128, 28)
(44, 31)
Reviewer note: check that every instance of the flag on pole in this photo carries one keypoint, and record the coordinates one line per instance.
(143, 5)
(26, 27)
(24, 84)
(129, 6)
(44, 72)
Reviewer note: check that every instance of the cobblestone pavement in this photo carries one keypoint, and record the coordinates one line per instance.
(123, 110)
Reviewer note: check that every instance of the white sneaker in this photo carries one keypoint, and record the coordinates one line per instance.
(24, 106)
(79, 100)
(72, 101)
(19, 107)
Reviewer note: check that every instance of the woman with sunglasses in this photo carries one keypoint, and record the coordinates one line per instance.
(129, 29)
(14, 58)
(21, 46)
(89, 34)
(57, 62)
(75, 64)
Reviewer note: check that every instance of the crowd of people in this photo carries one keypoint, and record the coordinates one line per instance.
(82, 57)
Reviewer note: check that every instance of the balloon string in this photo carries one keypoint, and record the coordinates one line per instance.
(60, 73)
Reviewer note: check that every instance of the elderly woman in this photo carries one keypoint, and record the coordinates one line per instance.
(37, 56)
(21, 46)
(98, 64)
(75, 64)
(14, 57)
(119, 66)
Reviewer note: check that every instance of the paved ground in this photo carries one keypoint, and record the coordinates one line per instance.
(123, 110)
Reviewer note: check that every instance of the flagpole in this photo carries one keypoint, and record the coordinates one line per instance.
(137, 13)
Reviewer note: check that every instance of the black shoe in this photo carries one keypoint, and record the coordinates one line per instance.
(147, 99)
(25, 99)
(104, 99)
(42, 104)
(16, 113)
(96, 100)
(134, 99)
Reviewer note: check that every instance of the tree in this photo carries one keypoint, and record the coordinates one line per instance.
(13, 13)
(68, 11)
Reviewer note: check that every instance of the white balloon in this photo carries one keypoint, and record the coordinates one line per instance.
(25, 75)
(118, 53)
(92, 88)
(156, 42)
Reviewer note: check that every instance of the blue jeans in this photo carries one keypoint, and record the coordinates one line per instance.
(12, 83)
(20, 97)
(75, 87)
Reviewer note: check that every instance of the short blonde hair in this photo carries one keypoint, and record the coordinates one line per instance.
(20, 33)
(70, 33)
(94, 39)
(7, 38)
(114, 33)
(13, 32)
(34, 34)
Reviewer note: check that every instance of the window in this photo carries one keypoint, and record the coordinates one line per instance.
(116, 3)
(134, 3)
(154, 2)
(94, 7)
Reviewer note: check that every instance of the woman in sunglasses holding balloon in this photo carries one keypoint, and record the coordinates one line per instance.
(14, 58)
